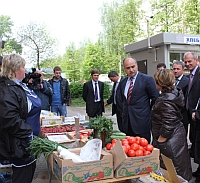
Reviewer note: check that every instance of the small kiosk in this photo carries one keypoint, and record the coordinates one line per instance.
(164, 47)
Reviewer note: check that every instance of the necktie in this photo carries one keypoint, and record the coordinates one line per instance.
(115, 90)
(189, 87)
(95, 92)
(176, 83)
(130, 90)
(190, 83)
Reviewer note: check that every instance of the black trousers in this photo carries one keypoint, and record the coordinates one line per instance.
(130, 132)
(23, 174)
(97, 110)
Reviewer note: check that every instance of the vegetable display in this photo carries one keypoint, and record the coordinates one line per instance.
(132, 146)
(39, 146)
(60, 129)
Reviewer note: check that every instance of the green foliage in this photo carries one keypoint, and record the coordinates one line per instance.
(12, 45)
(77, 102)
(107, 90)
(76, 89)
(5, 26)
(102, 124)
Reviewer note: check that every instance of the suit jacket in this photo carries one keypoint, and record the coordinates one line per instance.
(183, 84)
(88, 96)
(111, 99)
(193, 93)
(138, 111)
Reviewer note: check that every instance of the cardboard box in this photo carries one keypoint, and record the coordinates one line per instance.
(130, 166)
(68, 171)
(70, 145)
(170, 174)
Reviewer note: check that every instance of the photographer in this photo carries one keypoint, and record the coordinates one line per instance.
(42, 88)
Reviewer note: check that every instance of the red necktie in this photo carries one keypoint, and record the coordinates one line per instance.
(130, 90)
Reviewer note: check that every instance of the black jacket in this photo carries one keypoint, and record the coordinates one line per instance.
(14, 131)
(64, 90)
(166, 121)
(44, 94)
(111, 99)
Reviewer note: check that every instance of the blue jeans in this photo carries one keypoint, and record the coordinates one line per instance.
(60, 110)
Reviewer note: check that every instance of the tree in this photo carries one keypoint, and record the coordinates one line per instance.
(5, 26)
(5, 34)
(37, 40)
(191, 16)
(121, 25)
(95, 59)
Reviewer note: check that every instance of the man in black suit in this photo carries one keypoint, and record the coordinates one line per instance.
(114, 77)
(192, 96)
(135, 97)
(181, 82)
(93, 95)
(161, 66)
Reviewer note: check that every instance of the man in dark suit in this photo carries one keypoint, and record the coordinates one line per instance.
(93, 95)
(181, 82)
(192, 96)
(114, 77)
(135, 97)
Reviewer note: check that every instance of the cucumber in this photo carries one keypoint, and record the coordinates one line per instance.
(115, 131)
(119, 134)
(117, 137)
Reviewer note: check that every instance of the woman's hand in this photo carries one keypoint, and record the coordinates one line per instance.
(194, 116)
(161, 139)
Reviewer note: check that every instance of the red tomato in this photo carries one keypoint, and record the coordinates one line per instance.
(114, 141)
(131, 153)
(125, 149)
(146, 153)
(124, 141)
(135, 146)
(127, 146)
(139, 152)
(131, 140)
(143, 142)
(112, 145)
(141, 148)
(127, 137)
(149, 147)
(108, 146)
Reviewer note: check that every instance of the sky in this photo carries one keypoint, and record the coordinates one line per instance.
(66, 20)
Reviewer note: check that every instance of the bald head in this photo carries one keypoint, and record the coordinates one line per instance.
(38, 72)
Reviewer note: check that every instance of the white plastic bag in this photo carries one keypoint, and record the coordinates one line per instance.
(91, 151)
(66, 154)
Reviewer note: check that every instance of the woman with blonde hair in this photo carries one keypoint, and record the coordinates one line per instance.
(167, 129)
(19, 119)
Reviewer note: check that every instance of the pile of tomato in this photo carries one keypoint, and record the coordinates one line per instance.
(133, 146)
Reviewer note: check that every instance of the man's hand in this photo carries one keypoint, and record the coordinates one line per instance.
(194, 116)
(41, 86)
(106, 105)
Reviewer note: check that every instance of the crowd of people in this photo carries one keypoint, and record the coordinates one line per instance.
(158, 108)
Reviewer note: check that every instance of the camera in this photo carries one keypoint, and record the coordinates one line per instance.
(35, 78)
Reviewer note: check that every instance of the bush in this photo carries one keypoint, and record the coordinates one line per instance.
(76, 90)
